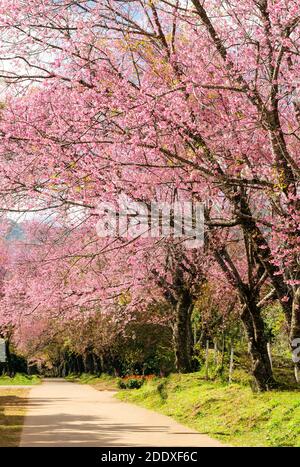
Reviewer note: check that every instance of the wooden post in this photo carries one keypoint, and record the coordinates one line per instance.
(215, 353)
(231, 365)
(296, 372)
(270, 355)
(222, 352)
(206, 358)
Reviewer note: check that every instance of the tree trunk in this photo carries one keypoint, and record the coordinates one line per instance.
(257, 347)
(88, 362)
(252, 322)
(295, 331)
(9, 365)
(183, 333)
(95, 363)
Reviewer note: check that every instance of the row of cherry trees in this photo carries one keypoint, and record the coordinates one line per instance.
(159, 100)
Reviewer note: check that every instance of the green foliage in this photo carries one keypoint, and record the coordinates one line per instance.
(122, 384)
(134, 383)
(102, 382)
(84, 378)
(131, 383)
(274, 320)
(276, 330)
(162, 390)
(19, 379)
(146, 349)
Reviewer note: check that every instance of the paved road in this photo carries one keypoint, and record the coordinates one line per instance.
(68, 414)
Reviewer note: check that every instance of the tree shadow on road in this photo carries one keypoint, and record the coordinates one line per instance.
(12, 411)
(68, 430)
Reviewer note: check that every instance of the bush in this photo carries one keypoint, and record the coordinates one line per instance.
(131, 383)
(19, 379)
(162, 390)
(122, 384)
(135, 383)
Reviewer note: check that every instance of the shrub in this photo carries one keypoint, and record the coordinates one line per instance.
(162, 390)
(121, 384)
(134, 383)
(130, 383)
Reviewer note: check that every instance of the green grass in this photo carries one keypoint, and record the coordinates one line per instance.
(101, 383)
(233, 414)
(19, 380)
(12, 411)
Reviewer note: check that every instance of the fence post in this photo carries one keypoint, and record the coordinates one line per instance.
(270, 355)
(206, 358)
(231, 365)
(215, 353)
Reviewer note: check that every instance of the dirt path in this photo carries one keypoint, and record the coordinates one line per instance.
(69, 414)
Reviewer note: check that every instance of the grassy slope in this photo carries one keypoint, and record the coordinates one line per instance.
(19, 380)
(232, 414)
(101, 383)
(12, 411)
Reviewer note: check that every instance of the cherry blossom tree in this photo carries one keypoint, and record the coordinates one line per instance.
(158, 98)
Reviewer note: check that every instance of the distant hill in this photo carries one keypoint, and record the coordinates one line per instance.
(15, 232)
